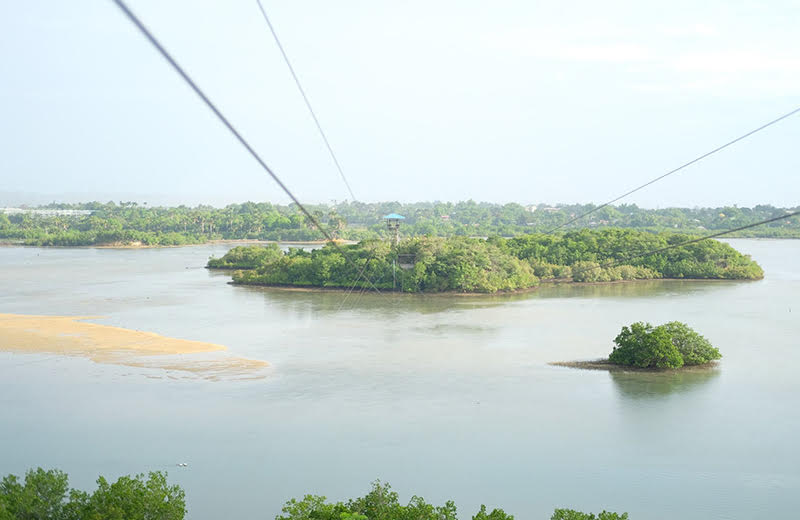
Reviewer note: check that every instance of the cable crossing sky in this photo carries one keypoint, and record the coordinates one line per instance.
(313, 220)
(167, 56)
(679, 168)
(305, 98)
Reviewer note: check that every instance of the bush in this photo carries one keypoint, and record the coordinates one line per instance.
(382, 503)
(46, 495)
(251, 257)
(571, 514)
(695, 349)
(671, 345)
(644, 346)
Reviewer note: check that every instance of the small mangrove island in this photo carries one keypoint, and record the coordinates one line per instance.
(642, 346)
(427, 264)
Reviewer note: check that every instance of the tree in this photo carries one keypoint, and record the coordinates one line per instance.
(381, 503)
(336, 223)
(571, 514)
(496, 514)
(644, 346)
(41, 496)
(134, 498)
(314, 507)
(671, 345)
(45, 495)
(695, 349)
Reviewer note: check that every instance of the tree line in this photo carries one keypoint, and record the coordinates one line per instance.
(45, 495)
(130, 222)
(463, 264)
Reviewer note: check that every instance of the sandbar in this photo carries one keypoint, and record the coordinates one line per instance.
(73, 336)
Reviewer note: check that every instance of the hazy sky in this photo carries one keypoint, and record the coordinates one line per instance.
(422, 100)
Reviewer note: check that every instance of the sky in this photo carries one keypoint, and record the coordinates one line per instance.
(528, 101)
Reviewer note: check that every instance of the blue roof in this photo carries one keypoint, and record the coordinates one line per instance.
(395, 216)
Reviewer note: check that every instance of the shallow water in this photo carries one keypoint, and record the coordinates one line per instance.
(444, 397)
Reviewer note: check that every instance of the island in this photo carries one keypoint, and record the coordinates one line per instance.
(641, 346)
(428, 264)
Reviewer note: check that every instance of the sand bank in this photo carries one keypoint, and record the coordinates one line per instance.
(71, 336)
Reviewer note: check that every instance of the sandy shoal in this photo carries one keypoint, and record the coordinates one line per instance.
(71, 336)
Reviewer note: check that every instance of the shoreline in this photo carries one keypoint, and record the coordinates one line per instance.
(139, 245)
(604, 364)
(73, 336)
(544, 283)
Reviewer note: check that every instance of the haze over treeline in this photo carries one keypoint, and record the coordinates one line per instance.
(421, 100)
(127, 222)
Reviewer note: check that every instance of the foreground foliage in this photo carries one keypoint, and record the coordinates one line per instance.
(671, 345)
(569, 514)
(129, 222)
(381, 503)
(45, 495)
(433, 264)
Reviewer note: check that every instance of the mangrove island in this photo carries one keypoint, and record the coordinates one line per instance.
(642, 346)
(427, 264)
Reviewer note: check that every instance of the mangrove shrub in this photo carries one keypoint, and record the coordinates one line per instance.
(382, 503)
(671, 345)
(46, 495)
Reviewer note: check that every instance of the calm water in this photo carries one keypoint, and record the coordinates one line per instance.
(445, 397)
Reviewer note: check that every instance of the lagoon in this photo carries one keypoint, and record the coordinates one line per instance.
(447, 397)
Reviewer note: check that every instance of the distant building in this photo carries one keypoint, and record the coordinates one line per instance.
(47, 212)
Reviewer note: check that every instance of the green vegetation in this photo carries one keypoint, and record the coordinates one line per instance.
(433, 264)
(243, 257)
(456, 264)
(128, 222)
(569, 514)
(45, 495)
(671, 345)
(381, 503)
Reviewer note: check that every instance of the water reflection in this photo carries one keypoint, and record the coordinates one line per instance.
(647, 385)
(386, 302)
(375, 304)
(634, 289)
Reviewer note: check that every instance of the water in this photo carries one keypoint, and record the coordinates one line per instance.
(445, 397)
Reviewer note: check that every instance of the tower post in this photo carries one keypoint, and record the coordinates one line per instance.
(393, 225)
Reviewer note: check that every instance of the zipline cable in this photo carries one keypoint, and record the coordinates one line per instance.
(166, 55)
(615, 263)
(346, 296)
(305, 98)
(146, 32)
(679, 168)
